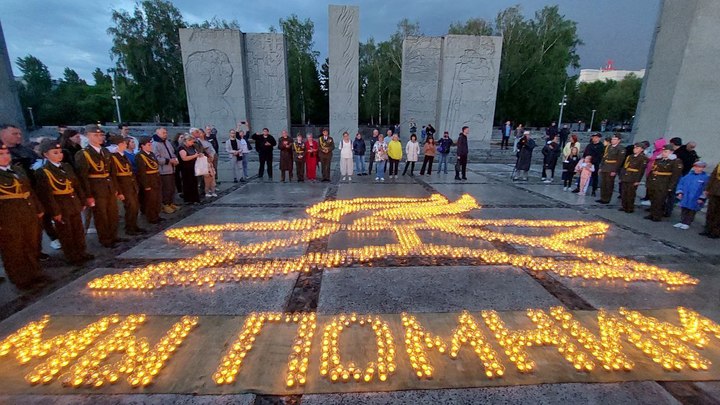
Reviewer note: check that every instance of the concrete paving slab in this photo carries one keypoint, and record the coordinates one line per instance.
(648, 393)
(491, 194)
(664, 230)
(276, 193)
(430, 289)
(159, 246)
(389, 188)
(617, 241)
(223, 299)
(703, 297)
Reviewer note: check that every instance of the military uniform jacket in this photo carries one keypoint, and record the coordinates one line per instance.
(148, 174)
(16, 197)
(59, 190)
(95, 172)
(613, 159)
(664, 175)
(326, 146)
(298, 150)
(124, 176)
(634, 168)
(713, 186)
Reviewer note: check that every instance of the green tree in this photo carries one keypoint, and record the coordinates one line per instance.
(307, 102)
(380, 75)
(473, 26)
(536, 55)
(34, 88)
(146, 44)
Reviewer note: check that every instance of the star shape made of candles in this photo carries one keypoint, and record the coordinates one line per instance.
(225, 261)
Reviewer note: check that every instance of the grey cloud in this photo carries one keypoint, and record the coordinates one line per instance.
(73, 33)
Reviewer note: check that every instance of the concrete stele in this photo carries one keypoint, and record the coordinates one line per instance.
(10, 109)
(680, 95)
(343, 54)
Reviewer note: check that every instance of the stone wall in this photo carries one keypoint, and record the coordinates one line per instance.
(343, 55)
(681, 93)
(450, 82)
(231, 77)
(10, 109)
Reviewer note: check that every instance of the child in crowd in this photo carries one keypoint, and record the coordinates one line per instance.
(690, 193)
(569, 165)
(586, 169)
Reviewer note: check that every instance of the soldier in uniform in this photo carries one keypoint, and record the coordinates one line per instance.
(127, 187)
(148, 177)
(96, 174)
(298, 150)
(19, 225)
(663, 178)
(630, 178)
(286, 155)
(712, 194)
(612, 161)
(327, 145)
(63, 200)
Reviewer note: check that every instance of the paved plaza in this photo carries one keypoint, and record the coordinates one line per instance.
(391, 283)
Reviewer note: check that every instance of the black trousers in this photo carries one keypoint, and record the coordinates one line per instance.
(265, 160)
(428, 161)
(504, 143)
(712, 224)
(412, 168)
(370, 163)
(462, 161)
(394, 164)
(167, 185)
(628, 192)
(549, 165)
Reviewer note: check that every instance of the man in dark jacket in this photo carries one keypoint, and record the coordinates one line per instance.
(687, 154)
(551, 132)
(595, 149)
(264, 144)
(564, 133)
(462, 154)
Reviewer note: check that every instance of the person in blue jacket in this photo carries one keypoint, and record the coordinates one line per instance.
(690, 193)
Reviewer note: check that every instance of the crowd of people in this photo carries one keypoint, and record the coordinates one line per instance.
(673, 171)
(303, 154)
(62, 187)
(72, 185)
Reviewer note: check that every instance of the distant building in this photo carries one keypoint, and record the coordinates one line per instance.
(608, 72)
(595, 75)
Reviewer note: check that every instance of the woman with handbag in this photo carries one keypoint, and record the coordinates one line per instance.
(188, 156)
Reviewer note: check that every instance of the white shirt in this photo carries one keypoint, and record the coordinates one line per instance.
(346, 151)
(96, 148)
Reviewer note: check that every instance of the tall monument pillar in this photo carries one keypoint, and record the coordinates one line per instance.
(680, 95)
(343, 59)
(10, 109)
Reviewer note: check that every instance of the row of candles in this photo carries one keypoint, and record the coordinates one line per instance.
(85, 352)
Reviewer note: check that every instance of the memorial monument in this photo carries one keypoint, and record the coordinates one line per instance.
(10, 109)
(680, 95)
(231, 76)
(343, 57)
(450, 82)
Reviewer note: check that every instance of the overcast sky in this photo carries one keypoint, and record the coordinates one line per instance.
(64, 33)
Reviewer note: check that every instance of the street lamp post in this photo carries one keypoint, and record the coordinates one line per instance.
(116, 98)
(591, 120)
(562, 105)
(32, 117)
